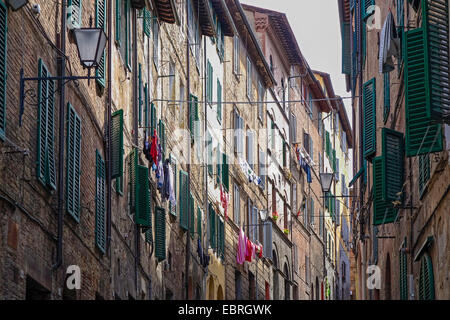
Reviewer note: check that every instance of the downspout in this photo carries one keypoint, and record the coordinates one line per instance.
(188, 89)
(205, 168)
(62, 66)
(137, 257)
(108, 126)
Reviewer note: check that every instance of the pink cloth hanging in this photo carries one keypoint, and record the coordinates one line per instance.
(241, 250)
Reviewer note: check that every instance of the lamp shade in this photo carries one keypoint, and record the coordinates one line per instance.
(91, 44)
(263, 214)
(16, 4)
(326, 179)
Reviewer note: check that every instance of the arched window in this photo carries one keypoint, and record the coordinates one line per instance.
(287, 286)
(275, 276)
(426, 279)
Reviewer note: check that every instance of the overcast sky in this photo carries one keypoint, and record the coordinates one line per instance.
(317, 29)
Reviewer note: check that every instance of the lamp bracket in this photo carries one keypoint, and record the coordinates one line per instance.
(65, 80)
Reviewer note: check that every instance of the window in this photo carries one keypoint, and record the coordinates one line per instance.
(73, 164)
(274, 198)
(383, 210)
(100, 208)
(219, 101)
(249, 79)
(294, 198)
(387, 96)
(252, 286)
(285, 216)
(320, 123)
(262, 170)
(236, 55)
(160, 234)
(293, 128)
(260, 99)
(249, 217)
(123, 33)
(46, 172)
(238, 134)
(250, 148)
(238, 285)
(172, 80)
(236, 205)
(3, 67)
(140, 94)
(183, 202)
(209, 82)
(194, 33)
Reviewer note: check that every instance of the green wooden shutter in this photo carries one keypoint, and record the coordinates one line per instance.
(119, 185)
(426, 279)
(370, 122)
(133, 164)
(142, 216)
(153, 118)
(73, 165)
(117, 144)
(208, 83)
(146, 109)
(3, 66)
(100, 209)
(220, 238)
(192, 102)
(199, 223)
(147, 22)
(219, 101)
(403, 260)
(162, 136)
(160, 234)
(100, 21)
(219, 165)
(74, 13)
(383, 211)
(392, 177)
(191, 216)
(184, 200)
(212, 227)
(346, 48)
(427, 85)
(387, 96)
(46, 122)
(424, 172)
(118, 20)
(225, 172)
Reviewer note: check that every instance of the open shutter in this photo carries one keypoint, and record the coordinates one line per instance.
(162, 137)
(184, 200)
(370, 123)
(426, 279)
(100, 209)
(100, 22)
(199, 223)
(346, 48)
(153, 118)
(424, 172)
(212, 227)
(392, 178)
(426, 79)
(160, 234)
(117, 144)
(191, 215)
(74, 12)
(118, 18)
(3, 66)
(268, 239)
(134, 195)
(221, 238)
(383, 211)
(403, 272)
(147, 22)
(73, 165)
(225, 172)
(143, 197)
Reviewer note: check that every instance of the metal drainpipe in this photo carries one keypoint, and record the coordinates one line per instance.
(205, 168)
(62, 65)
(108, 126)
(135, 138)
(188, 238)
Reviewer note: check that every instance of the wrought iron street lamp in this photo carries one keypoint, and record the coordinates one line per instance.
(16, 4)
(91, 43)
(326, 178)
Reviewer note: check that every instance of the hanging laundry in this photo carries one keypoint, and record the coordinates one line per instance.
(305, 166)
(154, 149)
(249, 251)
(389, 45)
(249, 173)
(147, 147)
(160, 176)
(241, 250)
(166, 183)
(224, 199)
(200, 251)
(172, 199)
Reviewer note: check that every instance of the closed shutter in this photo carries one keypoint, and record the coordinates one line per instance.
(267, 239)
(254, 221)
(142, 197)
(162, 137)
(199, 223)
(370, 123)
(117, 144)
(3, 66)
(225, 172)
(209, 151)
(74, 13)
(146, 109)
(392, 178)
(219, 101)
(160, 234)
(100, 209)
(147, 22)
(153, 118)
(346, 48)
(73, 163)
(133, 163)
(403, 260)
(46, 122)
(387, 96)
(212, 227)
(426, 79)
(426, 279)
(383, 211)
(118, 22)
(375, 245)
(219, 165)
(191, 216)
(100, 22)
(184, 199)
(193, 115)
(220, 238)
(262, 168)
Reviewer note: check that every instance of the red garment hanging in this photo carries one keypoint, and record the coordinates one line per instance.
(154, 148)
